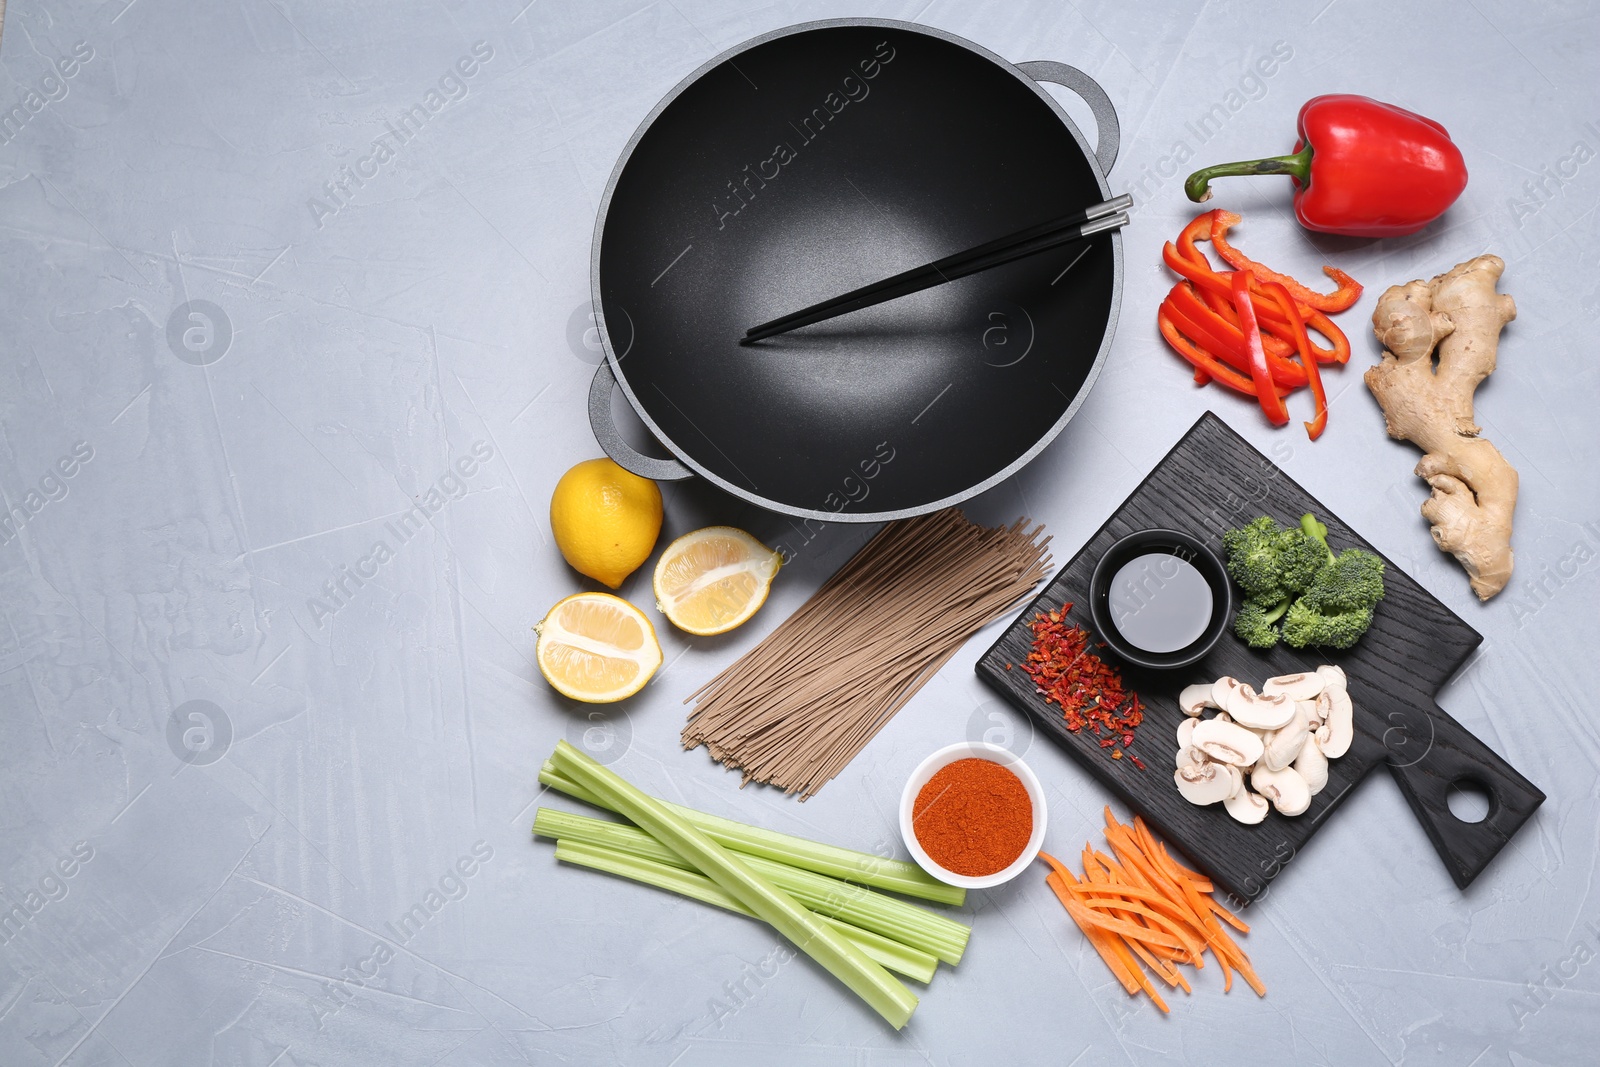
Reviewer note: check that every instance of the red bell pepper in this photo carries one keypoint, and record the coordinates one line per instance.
(1319, 396)
(1361, 168)
(1260, 375)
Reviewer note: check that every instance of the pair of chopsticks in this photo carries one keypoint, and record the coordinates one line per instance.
(1078, 226)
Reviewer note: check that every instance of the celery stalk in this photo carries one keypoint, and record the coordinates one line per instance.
(895, 956)
(866, 978)
(904, 922)
(896, 876)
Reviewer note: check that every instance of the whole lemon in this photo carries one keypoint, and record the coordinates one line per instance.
(605, 520)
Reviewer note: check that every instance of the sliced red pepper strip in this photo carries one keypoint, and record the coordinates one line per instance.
(1205, 278)
(1206, 328)
(1200, 274)
(1225, 340)
(1280, 293)
(1199, 229)
(1271, 402)
(1341, 299)
(1340, 352)
(1202, 360)
(1192, 264)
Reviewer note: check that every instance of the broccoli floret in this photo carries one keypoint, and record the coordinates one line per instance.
(1253, 552)
(1300, 557)
(1337, 607)
(1323, 599)
(1271, 563)
(1354, 580)
(1254, 623)
(1304, 626)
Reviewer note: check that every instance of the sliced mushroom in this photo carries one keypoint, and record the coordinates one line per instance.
(1341, 724)
(1333, 674)
(1186, 731)
(1188, 755)
(1247, 807)
(1259, 711)
(1238, 781)
(1220, 690)
(1196, 698)
(1312, 765)
(1317, 710)
(1227, 742)
(1322, 734)
(1296, 686)
(1205, 783)
(1282, 745)
(1288, 791)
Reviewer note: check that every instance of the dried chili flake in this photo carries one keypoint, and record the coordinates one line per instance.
(1087, 689)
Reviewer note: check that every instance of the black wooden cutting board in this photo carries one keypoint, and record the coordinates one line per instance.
(1211, 481)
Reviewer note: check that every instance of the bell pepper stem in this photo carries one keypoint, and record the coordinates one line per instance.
(1298, 166)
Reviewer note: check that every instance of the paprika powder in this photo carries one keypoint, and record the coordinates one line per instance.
(973, 818)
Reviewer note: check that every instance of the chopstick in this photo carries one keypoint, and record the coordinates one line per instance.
(1076, 226)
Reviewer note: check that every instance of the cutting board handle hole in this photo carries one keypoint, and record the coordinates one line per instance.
(1469, 800)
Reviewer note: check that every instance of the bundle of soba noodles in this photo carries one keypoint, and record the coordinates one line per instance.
(796, 708)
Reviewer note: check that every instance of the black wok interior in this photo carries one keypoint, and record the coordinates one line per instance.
(893, 407)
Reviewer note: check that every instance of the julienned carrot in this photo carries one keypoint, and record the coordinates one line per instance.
(1141, 830)
(1150, 916)
(1121, 926)
(1143, 911)
(1164, 970)
(1106, 944)
(1205, 910)
(1057, 882)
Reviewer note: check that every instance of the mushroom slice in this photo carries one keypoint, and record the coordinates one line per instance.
(1341, 724)
(1312, 765)
(1196, 698)
(1332, 674)
(1282, 745)
(1296, 686)
(1258, 711)
(1220, 690)
(1288, 791)
(1247, 807)
(1317, 710)
(1189, 755)
(1227, 742)
(1186, 731)
(1205, 783)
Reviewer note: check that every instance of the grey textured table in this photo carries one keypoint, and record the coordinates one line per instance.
(258, 809)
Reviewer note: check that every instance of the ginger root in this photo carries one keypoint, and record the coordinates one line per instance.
(1474, 488)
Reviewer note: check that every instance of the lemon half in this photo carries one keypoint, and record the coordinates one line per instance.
(597, 648)
(712, 580)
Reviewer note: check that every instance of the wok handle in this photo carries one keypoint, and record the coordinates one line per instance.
(1108, 131)
(1428, 754)
(611, 442)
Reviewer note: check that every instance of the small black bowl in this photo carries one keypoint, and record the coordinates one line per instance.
(1159, 542)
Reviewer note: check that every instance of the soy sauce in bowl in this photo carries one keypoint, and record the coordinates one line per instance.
(1160, 598)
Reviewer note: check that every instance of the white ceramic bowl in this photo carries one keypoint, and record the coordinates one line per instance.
(942, 759)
